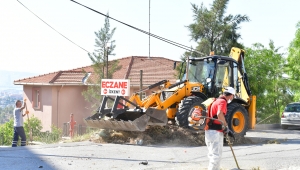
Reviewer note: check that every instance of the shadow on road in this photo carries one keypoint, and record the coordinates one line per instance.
(21, 158)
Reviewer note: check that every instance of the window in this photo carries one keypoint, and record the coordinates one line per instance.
(292, 108)
(36, 98)
(236, 81)
(223, 76)
(200, 70)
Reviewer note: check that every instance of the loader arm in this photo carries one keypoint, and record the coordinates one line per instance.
(179, 92)
(136, 98)
(149, 111)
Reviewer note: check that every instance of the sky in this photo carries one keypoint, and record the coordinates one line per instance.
(27, 44)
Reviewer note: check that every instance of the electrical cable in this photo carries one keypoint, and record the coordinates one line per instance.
(145, 32)
(54, 28)
(158, 37)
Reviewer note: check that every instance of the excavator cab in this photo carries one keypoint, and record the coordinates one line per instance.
(214, 72)
(217, 72)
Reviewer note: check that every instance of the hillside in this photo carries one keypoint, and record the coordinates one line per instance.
(7, 78)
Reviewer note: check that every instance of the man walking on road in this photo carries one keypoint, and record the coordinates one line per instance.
(18, 124)
(214, 133)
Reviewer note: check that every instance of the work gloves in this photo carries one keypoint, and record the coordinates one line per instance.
(228, 132)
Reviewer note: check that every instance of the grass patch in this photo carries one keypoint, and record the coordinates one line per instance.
(80, 138)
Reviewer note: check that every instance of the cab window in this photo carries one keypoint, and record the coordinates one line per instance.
(292, 108)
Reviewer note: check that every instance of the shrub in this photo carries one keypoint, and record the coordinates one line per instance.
(6, 132)
(35, 125)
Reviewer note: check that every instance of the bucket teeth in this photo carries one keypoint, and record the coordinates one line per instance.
(137, 125)
(150, 117)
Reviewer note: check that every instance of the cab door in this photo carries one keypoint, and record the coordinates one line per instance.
(224, 76)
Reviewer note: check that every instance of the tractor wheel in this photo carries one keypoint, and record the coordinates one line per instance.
(237, 119)
(185, 109)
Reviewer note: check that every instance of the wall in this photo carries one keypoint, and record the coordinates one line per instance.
(58, 102)
(55, 101)
(45, 111)
(70, 100)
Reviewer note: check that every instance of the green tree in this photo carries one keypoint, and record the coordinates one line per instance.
(105, 46)
(293, 64)
(216, 31)
(265, 67)
(6, 132)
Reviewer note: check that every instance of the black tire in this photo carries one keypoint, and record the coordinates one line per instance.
(284, 127)
(185, 109)
(237, 119)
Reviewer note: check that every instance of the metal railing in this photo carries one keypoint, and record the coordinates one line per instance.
(78, 130)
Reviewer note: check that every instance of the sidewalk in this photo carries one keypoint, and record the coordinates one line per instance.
(268, 133)
(267, 126)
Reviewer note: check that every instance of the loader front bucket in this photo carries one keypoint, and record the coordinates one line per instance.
(131, 120)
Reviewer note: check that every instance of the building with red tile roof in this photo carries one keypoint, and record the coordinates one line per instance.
(54, 96)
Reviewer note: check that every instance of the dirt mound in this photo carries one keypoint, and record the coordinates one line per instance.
(154, 135)
(170, 135)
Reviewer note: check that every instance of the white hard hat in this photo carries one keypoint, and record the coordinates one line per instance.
(229, 90)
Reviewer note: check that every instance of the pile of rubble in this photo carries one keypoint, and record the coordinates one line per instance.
(157, 135)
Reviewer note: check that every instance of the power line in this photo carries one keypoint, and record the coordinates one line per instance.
(145, 32)
(82, 47)
(149, 29)
(53, 28)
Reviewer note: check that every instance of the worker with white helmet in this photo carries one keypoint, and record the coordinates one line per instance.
(214, 131)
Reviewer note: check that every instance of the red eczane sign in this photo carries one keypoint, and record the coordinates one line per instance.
(115, 87)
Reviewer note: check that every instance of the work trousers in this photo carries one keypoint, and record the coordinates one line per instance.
(19, 131)
(214, 143)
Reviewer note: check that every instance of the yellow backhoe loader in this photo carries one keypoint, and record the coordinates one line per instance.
(204, 78)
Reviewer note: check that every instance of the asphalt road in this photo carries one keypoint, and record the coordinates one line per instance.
(282, 152)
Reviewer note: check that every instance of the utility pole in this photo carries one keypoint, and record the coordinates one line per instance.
(141, 84)
(107, 48)
(149, 30)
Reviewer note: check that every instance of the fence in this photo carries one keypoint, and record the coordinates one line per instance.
(78, 130)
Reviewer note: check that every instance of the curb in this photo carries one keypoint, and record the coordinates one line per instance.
(266, 126)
